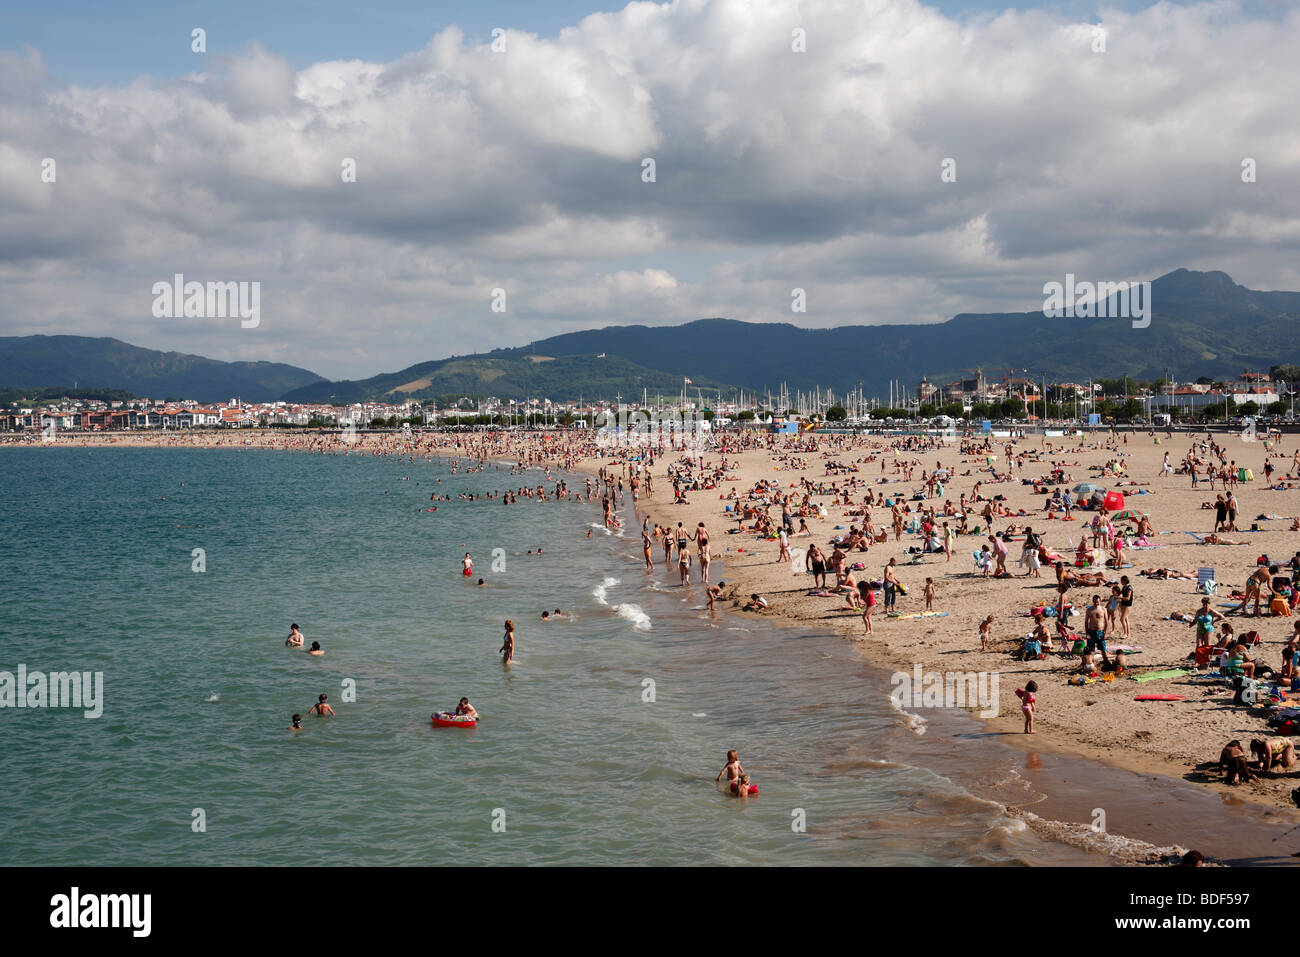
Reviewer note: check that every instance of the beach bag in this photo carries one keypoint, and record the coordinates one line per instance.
(1247, 690)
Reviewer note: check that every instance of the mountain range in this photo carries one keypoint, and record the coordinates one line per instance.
(1202, 323)
(81, 362)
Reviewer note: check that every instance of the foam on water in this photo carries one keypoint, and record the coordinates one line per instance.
(1124, 850)
(914, 722)
(601, 591)
(634, 613)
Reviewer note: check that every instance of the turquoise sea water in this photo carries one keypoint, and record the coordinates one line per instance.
(96, 550)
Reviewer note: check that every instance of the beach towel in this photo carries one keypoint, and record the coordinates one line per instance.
(1158, 675)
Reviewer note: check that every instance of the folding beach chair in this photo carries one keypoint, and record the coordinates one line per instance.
(1205, 583)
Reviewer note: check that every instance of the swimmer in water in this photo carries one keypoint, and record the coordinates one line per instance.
(321, 709)
(466, 708)
(467, 565)
(546, 616)
(481, 583)
(731, 769)
(297, 723)
(742, 786)
(507, 648)
(316, 649)
(295, 638)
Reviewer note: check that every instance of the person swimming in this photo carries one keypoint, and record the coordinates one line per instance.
(316, 649)
(321, 709)
(465, 708)
(295, 638)
(297, 723)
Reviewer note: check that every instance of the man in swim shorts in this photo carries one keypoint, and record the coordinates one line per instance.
(1094, 624)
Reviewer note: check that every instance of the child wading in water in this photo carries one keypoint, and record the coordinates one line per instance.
(731, 769)
(1026, 696)
(507, 648)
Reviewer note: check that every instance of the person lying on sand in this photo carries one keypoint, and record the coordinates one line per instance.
(1163, 574)
(1068, 576)
(1214, 539)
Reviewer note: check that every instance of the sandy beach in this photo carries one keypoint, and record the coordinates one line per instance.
(1099, 720)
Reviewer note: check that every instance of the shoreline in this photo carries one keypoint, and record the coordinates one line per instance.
(906, 643)
(1050, 816)
(1128, 741)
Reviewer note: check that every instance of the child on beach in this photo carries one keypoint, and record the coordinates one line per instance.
(1272, 752)
(1236, 768)
(868, 597)
(714, 593)
(1027, 699)
(986, 633)
(929, 594)
(731, 769)
(507, 649)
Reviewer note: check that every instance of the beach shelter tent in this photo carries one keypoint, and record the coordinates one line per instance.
(1113, 502)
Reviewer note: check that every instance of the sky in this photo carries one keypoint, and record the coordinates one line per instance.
(880, 161)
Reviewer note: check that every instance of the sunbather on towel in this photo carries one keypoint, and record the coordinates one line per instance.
(1214, 539)
(1163, 574)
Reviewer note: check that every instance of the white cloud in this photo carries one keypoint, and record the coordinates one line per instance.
(775, 169)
